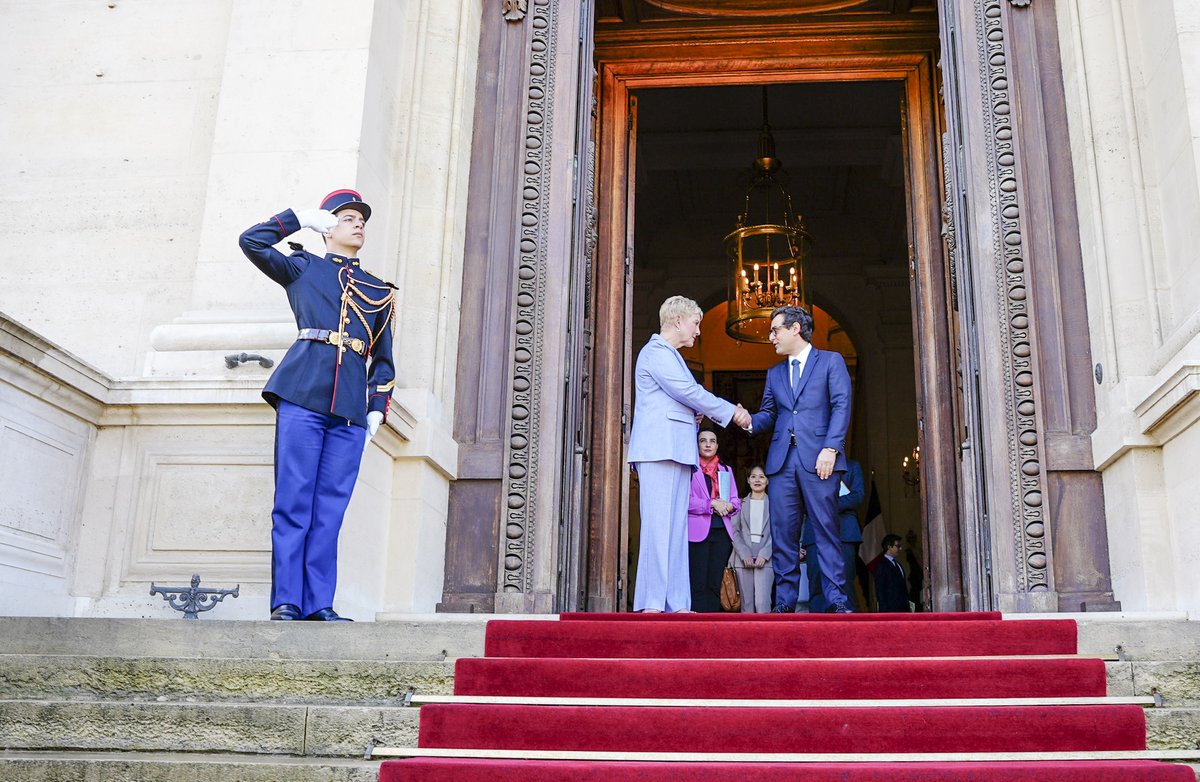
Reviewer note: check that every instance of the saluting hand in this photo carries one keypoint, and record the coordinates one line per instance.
(320, 220)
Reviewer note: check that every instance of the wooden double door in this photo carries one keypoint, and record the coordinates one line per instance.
(1003, 406)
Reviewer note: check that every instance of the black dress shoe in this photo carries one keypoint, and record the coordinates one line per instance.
(783, 610)
(286, 611)
(326, 615)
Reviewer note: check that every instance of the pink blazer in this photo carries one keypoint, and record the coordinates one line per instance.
(700, 506)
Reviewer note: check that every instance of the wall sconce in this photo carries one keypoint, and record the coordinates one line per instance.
(910, 471)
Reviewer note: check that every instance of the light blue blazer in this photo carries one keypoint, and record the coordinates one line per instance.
(665, 406)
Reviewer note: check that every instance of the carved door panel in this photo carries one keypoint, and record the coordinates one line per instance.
(624, 582)
(608, 487)
(936, 360)
(974, 530)
(573, 537)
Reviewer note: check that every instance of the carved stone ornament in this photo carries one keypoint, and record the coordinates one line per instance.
(949, 219)
(1027, 476)
(1020, 3)
(514, 10)
(529, 297)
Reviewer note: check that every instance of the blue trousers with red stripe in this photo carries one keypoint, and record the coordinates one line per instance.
(317, 458)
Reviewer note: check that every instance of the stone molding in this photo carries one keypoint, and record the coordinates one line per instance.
(524, 441)
(1173, 405)
(1018, 365)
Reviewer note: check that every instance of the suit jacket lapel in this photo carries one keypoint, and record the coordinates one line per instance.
(783, 374)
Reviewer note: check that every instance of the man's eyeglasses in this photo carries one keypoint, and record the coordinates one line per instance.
(779, 328)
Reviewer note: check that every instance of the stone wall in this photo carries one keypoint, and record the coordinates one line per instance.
(1133, 95)
(146, 138)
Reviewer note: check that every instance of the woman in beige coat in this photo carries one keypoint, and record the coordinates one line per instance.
(751, 558)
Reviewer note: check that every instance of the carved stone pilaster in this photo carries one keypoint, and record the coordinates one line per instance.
(1024, 442)
(528, 306)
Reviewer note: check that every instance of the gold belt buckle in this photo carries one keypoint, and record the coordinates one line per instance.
(334, 338)
(357, 345)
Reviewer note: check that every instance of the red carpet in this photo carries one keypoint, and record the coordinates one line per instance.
(898, 730)
(448, 770)
(930, 617)
(801, 657)
(723, 639)
(789, 679)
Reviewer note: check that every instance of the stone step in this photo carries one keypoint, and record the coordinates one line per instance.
(250, 728)
(1168, 728)
(302, 730)
(365, 682)
(1178, 682)
(165, 767)
(424, 638)
(1141, 639)
(357, 682)
(431, 637)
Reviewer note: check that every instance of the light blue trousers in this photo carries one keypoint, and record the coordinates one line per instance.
(663, 580)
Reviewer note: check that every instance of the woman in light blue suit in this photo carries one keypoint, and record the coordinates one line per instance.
(663, 452)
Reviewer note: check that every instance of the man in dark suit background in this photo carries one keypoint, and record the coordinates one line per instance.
(891, 590)
(806, 402)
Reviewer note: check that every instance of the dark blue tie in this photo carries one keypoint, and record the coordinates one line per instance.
(795, 376)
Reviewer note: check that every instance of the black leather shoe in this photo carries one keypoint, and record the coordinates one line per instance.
(783, 610)
(286, 611)
(326, 615)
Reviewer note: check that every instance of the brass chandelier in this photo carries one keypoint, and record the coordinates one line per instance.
(767, 250)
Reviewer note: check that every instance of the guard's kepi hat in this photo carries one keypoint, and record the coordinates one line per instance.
(346, 199)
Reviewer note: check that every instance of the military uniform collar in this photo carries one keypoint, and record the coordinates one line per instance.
(341, 260)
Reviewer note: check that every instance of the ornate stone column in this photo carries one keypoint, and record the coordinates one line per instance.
(1020, 238)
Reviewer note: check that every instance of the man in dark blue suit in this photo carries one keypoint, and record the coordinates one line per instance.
(330, 392)
(806, 402)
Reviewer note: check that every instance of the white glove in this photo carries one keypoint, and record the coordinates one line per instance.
(374, 419)
(320, 220)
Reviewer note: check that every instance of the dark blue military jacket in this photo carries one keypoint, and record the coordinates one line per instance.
(311, 375)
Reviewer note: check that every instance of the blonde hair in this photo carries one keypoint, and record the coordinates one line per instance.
(677, 307)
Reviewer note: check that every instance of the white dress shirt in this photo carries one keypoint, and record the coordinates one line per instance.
(795, 371)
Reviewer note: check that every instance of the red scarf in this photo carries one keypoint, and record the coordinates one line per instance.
(709, 467)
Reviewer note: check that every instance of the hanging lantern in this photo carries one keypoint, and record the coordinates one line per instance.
(767, 249)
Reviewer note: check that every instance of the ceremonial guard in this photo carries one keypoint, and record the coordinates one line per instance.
(330, 393)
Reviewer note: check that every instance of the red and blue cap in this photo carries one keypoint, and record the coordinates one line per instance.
(346, 199)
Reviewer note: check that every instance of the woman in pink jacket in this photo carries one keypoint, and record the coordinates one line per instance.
(712, 502)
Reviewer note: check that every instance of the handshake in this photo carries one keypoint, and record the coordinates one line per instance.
(741, 417)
